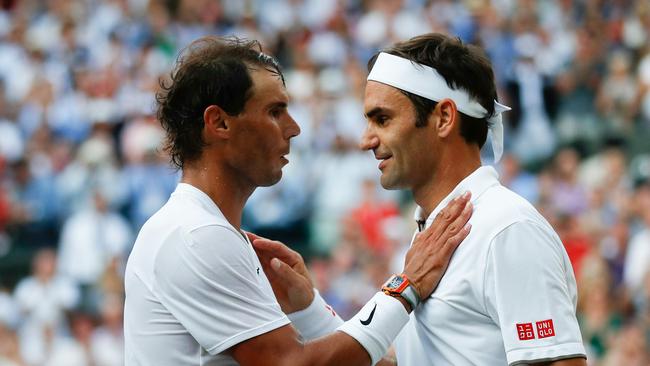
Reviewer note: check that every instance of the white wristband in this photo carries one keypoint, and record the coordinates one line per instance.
(377, 324)
(316, 320)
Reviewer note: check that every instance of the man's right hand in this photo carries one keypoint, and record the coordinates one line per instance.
(287, 273)
(429, 256)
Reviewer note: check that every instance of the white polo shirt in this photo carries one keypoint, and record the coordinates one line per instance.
(509, 294)
(194, 287)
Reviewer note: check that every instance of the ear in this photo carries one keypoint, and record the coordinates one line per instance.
(447, 117)
(215, 122)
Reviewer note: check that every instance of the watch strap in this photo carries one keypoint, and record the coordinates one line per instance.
(405, 290)
(411, 296)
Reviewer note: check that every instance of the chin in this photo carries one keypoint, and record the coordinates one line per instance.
(389, 184)
(271, 180)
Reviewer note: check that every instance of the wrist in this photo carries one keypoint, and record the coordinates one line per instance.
(400, 287)
(316, 320)
(377, 324)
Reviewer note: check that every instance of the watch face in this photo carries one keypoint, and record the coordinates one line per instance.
(395, 282)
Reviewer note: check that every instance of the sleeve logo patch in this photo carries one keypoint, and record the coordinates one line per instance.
(545, 328)
(525, 331)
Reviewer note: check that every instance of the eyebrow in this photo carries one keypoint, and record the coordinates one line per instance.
(374, 112)
(278, 105)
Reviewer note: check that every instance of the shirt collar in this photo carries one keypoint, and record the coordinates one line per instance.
(200, 196)
(203, 199)
(478, 182)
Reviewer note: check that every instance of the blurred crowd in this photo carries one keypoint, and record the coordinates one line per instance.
(81, 166)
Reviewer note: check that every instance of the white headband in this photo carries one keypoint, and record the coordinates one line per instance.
(425, 81)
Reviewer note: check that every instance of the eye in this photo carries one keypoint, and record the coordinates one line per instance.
(277, 112)
(381, 119)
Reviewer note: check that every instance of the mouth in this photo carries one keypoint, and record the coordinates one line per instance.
(284, 158)
(383, 161)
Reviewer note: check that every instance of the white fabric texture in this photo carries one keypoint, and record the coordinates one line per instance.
(377, 324)
(194, 287)
(512, 269)
(317, 320)
(426, 82)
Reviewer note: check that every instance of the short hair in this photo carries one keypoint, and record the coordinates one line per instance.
(210, 71)
(463, 67)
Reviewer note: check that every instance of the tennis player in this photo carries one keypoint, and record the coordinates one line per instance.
(509, 294)
(196, 293)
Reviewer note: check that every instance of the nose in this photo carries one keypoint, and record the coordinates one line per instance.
(292, 129)
(369, 140)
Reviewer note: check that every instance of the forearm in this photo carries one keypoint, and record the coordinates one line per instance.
(579, 361)
(283, 348)
(362, 340)
(338, 349)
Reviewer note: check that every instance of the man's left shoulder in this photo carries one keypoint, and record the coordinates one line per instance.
(500, 207)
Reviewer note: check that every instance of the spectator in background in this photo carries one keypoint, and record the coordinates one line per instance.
(533, 138)
(90, 240)
(637, 261)
(567, 195)
(617, 101)
(599, 322)
(42, 300)
(107, 341)
(148, 178)
(93, 170)
(5, 205)
(371, 218)
(517, 179)
(628, 348)
(35, 206)
(644, 84)
(73, 349)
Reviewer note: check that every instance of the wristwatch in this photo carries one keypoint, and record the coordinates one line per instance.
(398, 285)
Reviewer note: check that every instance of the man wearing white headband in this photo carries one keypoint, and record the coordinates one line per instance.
(509, 295)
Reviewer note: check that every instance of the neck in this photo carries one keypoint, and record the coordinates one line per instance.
(222, 186)
(454, 165)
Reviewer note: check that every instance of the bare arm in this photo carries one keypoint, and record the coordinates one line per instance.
(283, 347)
(578, 361)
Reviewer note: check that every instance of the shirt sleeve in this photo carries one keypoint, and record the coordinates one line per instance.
(530, 292)
(210, 280)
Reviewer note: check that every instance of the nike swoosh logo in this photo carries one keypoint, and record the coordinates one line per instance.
(372, 313)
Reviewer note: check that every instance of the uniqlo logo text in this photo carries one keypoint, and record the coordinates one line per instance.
(525, 331)
(545, 328)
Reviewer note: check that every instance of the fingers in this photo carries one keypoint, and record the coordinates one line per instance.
(252, 236)
(284, 273)
(459, 222)
(447, 216)
(454, 241)
(271, 248)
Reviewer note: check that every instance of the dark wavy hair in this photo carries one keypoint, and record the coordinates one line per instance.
(463, 66)
(210, 71)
